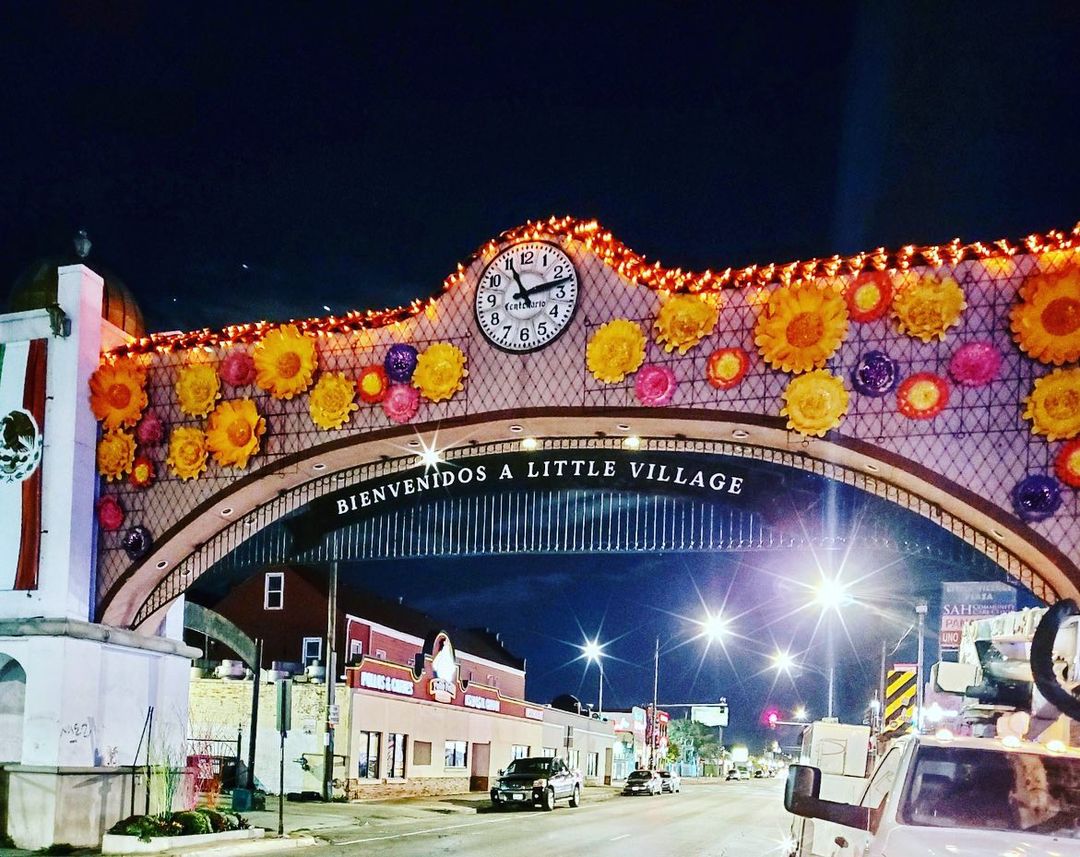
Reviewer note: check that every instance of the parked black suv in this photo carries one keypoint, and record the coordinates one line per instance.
(537, 780)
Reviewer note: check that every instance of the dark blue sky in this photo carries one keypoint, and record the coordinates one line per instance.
(242, 161)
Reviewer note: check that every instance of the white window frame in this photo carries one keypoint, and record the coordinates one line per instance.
(464, 755)
(304, 650)
(380, 654)
(356, 648)
(279, 577)
(519, 751)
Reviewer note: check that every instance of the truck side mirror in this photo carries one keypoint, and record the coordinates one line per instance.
(802, 790)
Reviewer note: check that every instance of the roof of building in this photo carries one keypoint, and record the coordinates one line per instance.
(479, 642)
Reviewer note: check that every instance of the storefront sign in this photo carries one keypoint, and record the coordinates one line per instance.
(962, 602)
(444, 683)
(387, 684)
(534, 714)
(481, 702)
(657, 472)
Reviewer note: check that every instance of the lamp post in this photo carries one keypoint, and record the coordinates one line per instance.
(831, 596)
(593, 652)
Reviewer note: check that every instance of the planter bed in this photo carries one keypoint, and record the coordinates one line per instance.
(117, 844)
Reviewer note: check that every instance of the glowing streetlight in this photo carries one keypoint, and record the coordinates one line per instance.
(800, 713)
(831, 594)
(593, 652)
(714, 626)
(783, 662)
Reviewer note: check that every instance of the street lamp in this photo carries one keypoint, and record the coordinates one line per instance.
(714, 626)
(784, 662)
(831, 596)
(593, 652)
(800, 713)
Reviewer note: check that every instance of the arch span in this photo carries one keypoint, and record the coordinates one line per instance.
(212, 531)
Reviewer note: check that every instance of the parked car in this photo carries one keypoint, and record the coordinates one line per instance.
(670, 782)
(643, 782)
(738, 773)
(538, 780)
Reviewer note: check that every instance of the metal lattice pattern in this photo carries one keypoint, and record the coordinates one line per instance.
(979, 441)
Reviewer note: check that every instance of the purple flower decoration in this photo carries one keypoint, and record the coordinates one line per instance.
(150, 431)
(238, 369)
(1036, 497)
(975, 364)
(136, 542)
(654, 385)
(876, 374)
(400, 363)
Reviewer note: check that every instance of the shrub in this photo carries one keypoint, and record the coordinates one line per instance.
(142, 826)
(192, 823)
(218, 821)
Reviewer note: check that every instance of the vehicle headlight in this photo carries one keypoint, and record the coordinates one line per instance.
(537, 784)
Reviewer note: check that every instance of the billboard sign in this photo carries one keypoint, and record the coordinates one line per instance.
(710, 715)
(961, 602)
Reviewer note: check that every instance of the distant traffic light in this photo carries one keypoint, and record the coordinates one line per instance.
(773, 719)
(770, 717)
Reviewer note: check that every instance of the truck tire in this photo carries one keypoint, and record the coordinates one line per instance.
(547, 802)
(575, 797)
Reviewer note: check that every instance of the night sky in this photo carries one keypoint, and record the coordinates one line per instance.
(241, 161)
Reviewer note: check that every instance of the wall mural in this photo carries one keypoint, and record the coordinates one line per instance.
(961, 357)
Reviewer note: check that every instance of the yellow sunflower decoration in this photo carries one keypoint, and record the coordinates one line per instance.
(115, 454)
(331, 402)
(187, 452)
(197, 389)
(440, 371)
(814, 403)
(285, 362)
(684, 320)
(801, 326)
(233, 432)
(1046, 322)
(118, 393)
(927, 307)
(1054, 405)
(616, 350)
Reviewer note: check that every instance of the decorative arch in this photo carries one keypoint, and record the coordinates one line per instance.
(959, 449)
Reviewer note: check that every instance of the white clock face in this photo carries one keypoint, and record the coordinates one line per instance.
(527, 296)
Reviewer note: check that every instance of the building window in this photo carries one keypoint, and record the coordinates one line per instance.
(356, 649)
(592, 765)
(380, 654)
(548, 751)
(395, 755)
(519, 751)
(493, 680)
(367, 755)
(457, 755)
(274, 591)
(572, 759)
(312, 650)
(421, 753)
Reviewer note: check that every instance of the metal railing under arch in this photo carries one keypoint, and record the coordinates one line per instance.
(556, 519)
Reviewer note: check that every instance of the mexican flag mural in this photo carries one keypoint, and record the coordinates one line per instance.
(22, 425)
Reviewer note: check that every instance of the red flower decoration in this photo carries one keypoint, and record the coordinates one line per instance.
(373, 384)
(869, 296)
(110, 513)
(151, 431)
(1067, 464)
(727, 367)
(238, 369)
(922, 396)
(143, 472)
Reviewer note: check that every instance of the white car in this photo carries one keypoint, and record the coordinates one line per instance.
(643, 782)
(962, 797)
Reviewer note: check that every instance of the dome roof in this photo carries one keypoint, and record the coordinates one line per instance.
(36, 286)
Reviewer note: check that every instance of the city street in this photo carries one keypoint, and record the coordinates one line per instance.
(737, 819)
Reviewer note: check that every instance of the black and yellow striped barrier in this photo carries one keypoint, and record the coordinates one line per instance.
(901, 689)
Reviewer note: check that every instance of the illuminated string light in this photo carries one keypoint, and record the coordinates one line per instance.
(631, 266)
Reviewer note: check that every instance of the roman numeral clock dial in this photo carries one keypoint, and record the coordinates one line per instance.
(527, 296)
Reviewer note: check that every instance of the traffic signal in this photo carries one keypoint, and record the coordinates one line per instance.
(770, 717)
(773, 718)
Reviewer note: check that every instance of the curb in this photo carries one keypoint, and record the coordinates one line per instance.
(250, 846)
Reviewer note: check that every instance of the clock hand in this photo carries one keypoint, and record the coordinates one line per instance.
(523, 293)
(543, 287)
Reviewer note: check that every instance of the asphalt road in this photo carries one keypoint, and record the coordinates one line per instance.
(737, 819)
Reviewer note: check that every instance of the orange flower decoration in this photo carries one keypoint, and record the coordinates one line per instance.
(1046, 322)
(814, 403)
(233, 432)
(330, 403)
(285, 362)
(187, 452)
(868, 296)
(684, 320)
(115, 454)
(197, 389)
(142, 472)
(1054, 405)
(727, 367)
(801, 327)
(118, 393)
(928, 307)
(372, 384)
(922, 396)
(1067, 464)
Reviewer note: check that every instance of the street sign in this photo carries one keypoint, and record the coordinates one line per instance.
(283, 705)
(710, 715)
(963, 601)
(333, 714)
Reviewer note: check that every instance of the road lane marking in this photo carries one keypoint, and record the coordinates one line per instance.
(617, 838)
(422, 832)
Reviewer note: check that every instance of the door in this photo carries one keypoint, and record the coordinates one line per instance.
(480, 780)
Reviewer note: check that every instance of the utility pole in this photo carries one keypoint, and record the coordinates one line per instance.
(331, 681)
(600, 695)
(256, 669)
(920, 609)
(655, 719)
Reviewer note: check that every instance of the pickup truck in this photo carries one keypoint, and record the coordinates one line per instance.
(536, 780)
(965, 797)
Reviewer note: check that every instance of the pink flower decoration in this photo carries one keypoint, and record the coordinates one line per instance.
(150, 431)
(238, 369)
(654, 385)
(975, 363)
(401, 402)
(110, 513)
